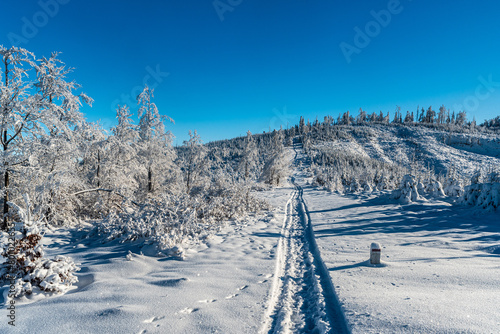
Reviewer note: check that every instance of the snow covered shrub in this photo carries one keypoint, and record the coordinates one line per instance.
(365, 185)
(453, 187)
(352, 185)
(407, 191)
(382, 183)
(493, 177)
(483, 195)
(167, 223)
(25, 261)
(435, 189)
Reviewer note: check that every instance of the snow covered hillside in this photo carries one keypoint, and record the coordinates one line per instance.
(414, 147)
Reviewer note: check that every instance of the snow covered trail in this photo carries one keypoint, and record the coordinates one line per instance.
(302, 297)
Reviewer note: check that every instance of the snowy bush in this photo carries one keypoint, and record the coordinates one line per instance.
(25, 262)
(165, 224)
(453, 187)
(408, 191)
(382, 183)
(434, 189)
(483, 195)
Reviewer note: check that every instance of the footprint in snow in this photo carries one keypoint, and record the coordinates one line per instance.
(232, 296)
(153, 319)
(189, 310)
(266, 277)
(173, 282)
(243, 287)
(207, 301)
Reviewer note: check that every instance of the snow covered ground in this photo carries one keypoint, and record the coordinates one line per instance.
(301, 268)
(440, 271)
(220, 287)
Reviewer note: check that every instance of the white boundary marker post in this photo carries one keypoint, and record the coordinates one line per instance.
(375, 250)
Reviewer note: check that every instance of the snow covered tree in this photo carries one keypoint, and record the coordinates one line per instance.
(362, 117)
(302, 125)
(430, 115)
(155, 143)
(249, 158)
(125, 131)
(398, 119)
(276, 168)
(442, 115)
(408, 191)
(36, 104)
(461, 118)
(421, 117)
(92, 147)
(453, 186)
(193, 159)
(485, 195)
(408, 118)
(492, 123)
(123, 153)
(346, 118)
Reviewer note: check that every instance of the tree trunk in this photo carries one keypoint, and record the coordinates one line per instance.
(188, 181)
(5, 186)
(6, 172)
(150, 180)
(98, 169)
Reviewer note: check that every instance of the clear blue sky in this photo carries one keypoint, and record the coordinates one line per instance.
(268, 62)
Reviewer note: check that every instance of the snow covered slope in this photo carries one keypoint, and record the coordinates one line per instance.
(433, 148)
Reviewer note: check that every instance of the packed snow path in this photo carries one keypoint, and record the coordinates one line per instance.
(302, 297)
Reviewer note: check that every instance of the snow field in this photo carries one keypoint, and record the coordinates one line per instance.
(439, 271)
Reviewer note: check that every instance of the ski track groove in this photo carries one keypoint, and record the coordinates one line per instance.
(302, 297)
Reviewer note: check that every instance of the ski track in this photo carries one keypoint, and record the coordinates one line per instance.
(302, 297)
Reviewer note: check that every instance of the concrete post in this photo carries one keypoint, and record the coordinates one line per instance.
(375, 253)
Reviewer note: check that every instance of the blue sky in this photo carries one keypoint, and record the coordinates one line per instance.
(252, 65)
